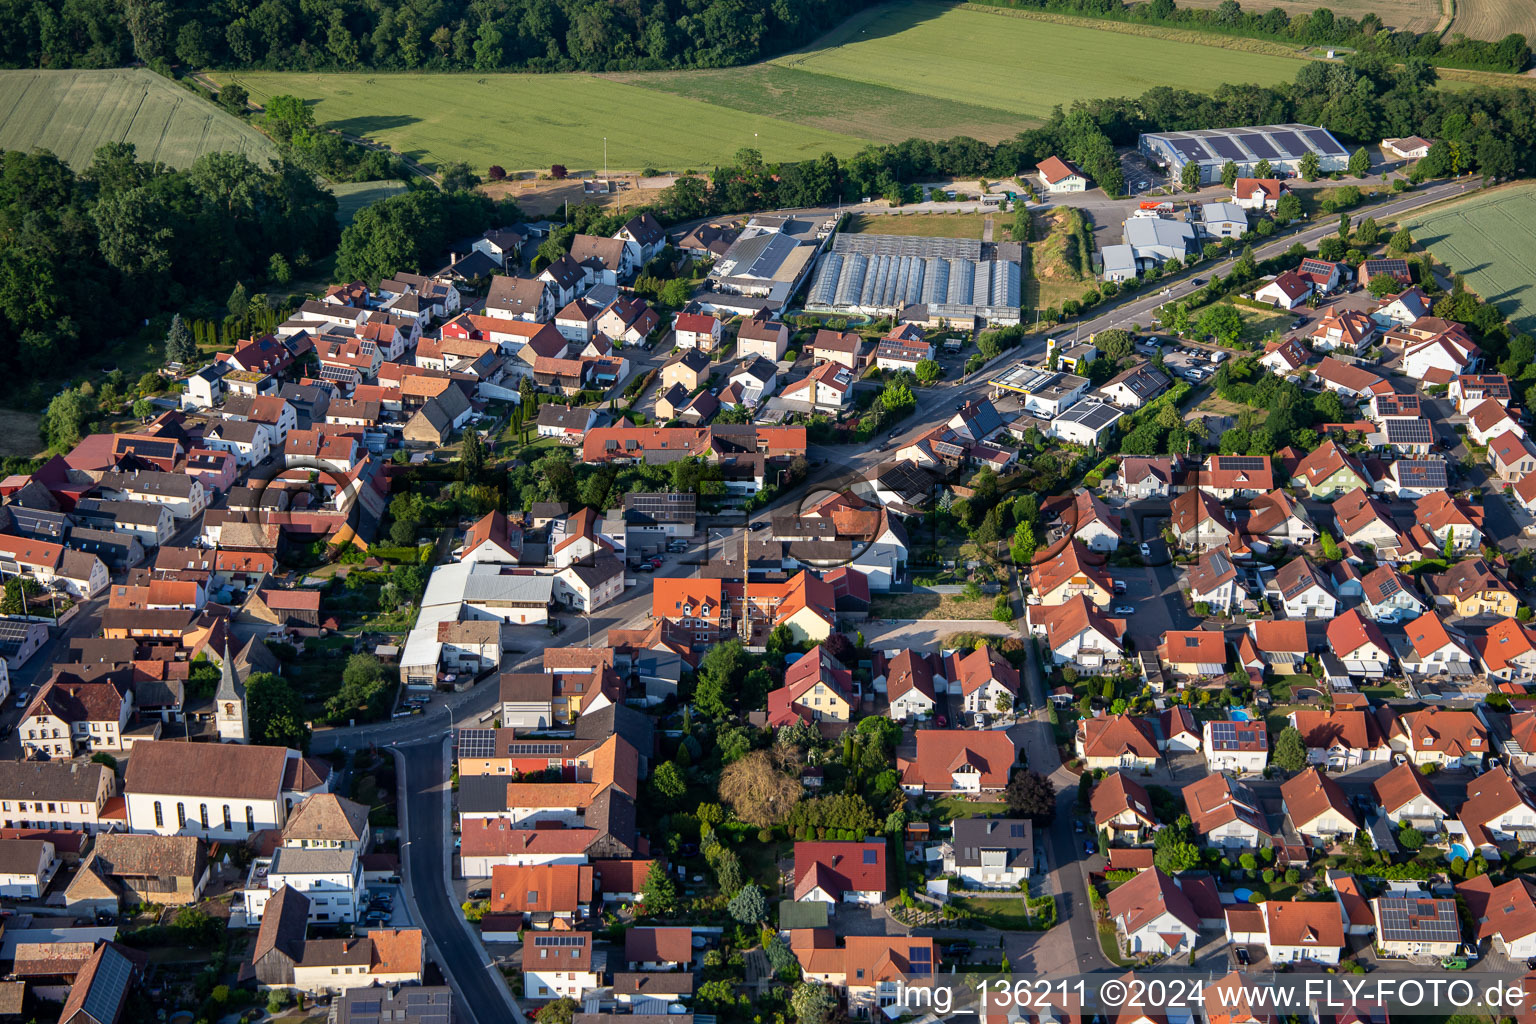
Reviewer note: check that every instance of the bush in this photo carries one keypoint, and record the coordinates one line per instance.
(496, 172)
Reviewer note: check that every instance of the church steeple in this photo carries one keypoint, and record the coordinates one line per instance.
(229, 702)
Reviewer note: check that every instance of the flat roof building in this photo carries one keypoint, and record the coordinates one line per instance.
(1283, 145)
(956, 279)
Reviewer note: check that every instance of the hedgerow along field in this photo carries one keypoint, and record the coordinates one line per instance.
(915, 68)
(1495, 19)
(1403, 15)
(72, 113)
(529, 122)
(1487, 239)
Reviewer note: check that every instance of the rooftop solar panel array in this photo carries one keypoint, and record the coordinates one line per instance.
(1426, 920)
(1190, 148)
(1323, 142)
(1259, 145)
(477, 742)
(1225, 147)
(1409, 431)
(1290, 143)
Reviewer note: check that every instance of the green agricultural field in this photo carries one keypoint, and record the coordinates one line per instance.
(873, 112)
(988, 57)
(910, 68)
(1487, 239)
(72, 113)
(532, 121)
(352, 196)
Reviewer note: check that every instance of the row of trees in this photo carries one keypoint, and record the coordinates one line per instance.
(86, 257)
(440, 35)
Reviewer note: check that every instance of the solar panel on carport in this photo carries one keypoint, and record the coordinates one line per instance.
(1324, 143)
(1260, 145)
(1289, 142)
(1224, 147)
(1190, 148)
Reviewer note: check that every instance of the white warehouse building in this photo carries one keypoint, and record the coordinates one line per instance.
(1283, 145)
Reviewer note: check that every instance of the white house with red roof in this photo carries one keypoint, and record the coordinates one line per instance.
(1286, 291)
(1503, 914)
(1430, 648)
(1153, 914)
(1057, 176)
(1498, 806)
(1078, 633)
(986, 682)
(1490, 418)
(1117, 741)
(1446, 738)
(1348, 331)
(1508, 651)
(912, 685)
(1285, 358)
(1237, 476)
(1325, 275)
(1449, 518)
(840, 872)
(1359, 644)
(696, 330)
(1258, 193)
(1512, 457)
(958, 761)
(1349, 380)
(1439, 359)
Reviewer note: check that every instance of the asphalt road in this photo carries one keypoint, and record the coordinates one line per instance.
(481, 994)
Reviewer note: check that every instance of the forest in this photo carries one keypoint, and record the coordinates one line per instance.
(582, 35)
(437, 35)
(87, 258)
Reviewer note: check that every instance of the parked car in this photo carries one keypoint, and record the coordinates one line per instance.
(647, 567)
(482, 893)
(1242, 956)
(1146, 551)
(1124, 609)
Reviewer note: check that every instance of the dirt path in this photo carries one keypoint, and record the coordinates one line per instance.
(1447, 15)
(986, 229)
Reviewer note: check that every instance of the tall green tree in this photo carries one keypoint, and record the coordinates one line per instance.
(1290, 750)
(179, 346)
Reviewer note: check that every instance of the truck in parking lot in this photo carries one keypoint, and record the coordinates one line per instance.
(1218, 357)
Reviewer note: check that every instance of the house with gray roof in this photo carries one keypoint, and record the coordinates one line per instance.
(1154, 241)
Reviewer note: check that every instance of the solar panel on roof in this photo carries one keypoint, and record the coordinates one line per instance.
(1190, 149)
(477, 742)
(1259, 144)
(1409, 431)
(1243, 463)
(1224, 147)
(1016, 831)
(110, 982)
(1323, 142)
(1289, 143)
